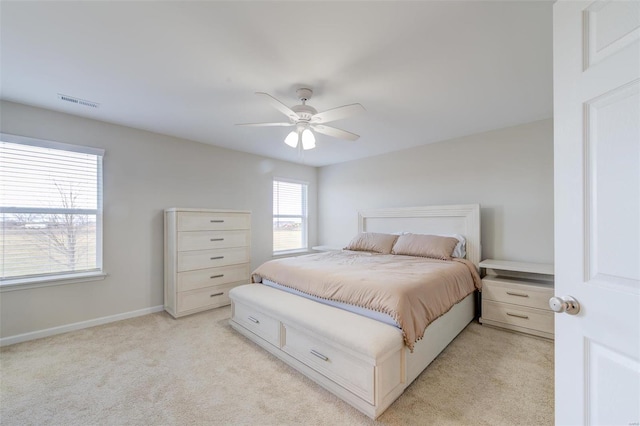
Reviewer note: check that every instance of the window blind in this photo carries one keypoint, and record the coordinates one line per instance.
(50, 208)
(289, 216)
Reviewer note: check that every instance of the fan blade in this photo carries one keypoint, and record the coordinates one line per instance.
(337, 113)
(280, 106)
(266, 124)
(334, 132)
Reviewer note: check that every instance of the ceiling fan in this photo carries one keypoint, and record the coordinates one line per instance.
(306, 118)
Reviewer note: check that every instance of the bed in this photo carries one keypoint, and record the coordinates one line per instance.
(364, 361)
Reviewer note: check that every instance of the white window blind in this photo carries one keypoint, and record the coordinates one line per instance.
(50, 209)
(289, 216)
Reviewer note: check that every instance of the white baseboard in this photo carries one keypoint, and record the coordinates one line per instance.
(5, 341)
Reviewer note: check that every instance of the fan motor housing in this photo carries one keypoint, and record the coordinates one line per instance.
(305, 112)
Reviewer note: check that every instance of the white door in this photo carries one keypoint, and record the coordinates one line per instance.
(597, 210)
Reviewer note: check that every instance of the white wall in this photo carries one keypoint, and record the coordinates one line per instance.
(509, 172)
(144, 173)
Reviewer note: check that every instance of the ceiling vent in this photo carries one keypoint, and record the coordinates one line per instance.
(73, 100)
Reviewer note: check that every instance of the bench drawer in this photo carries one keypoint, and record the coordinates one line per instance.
(336, 364)
(258, 323)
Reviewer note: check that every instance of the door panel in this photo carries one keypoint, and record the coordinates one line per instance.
(597, 210)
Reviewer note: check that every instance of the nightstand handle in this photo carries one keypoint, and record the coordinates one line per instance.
(217, 221)
(217, 257)
(517, 294)
(217, 294)
(216, 239)
(517, 316)
(216, 276)
(252, 319)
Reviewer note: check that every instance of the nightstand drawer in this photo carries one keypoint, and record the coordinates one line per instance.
(530, 294)
(506, 313)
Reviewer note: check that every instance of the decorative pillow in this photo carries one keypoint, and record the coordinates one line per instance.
(372, 241)
(420, 245)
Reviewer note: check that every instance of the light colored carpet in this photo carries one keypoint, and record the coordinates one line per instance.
(155, 370)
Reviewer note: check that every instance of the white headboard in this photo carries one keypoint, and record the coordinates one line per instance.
(458, 219)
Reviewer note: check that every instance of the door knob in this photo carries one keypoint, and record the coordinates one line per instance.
(564, 304)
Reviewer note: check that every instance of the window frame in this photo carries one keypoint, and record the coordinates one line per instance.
(304, 217)
(44, 280)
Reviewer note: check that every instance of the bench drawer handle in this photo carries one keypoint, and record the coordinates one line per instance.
(517, 316)
(319, 355)
(252, 319)
(517, 294)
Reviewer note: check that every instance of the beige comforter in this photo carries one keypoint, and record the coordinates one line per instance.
(412, 290)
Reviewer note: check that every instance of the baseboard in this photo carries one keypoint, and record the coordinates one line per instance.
(5, 341)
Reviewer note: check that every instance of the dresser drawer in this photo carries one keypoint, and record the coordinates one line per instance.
(212, 221)
(201, 259)
(204, 240)
(341, 367)
(521, 316)
(201, 278)
(258, 323)
(533, 294)
(208, 297)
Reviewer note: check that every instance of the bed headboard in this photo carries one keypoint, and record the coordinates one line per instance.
(457, 219)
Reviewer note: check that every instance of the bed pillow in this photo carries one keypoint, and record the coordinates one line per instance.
(461, 248)
(372, 241)
(421, 245)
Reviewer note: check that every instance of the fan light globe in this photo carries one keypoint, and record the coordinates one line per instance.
(292, 139)
(308, 140)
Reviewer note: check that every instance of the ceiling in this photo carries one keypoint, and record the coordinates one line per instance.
(425, 71)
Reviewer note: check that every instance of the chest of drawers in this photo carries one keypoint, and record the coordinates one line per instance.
(206, 254)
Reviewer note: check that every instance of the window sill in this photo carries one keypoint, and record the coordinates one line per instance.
(290, 253)
(36, 282)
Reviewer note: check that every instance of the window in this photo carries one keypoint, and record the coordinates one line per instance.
(289, 216)
(50, 210)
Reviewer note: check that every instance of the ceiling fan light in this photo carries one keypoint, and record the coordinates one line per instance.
(308, 140)
(292, 139)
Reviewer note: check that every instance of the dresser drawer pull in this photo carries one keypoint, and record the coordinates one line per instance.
(319, 355)
(216, 276)
(217, 294)
(216, 239)
(517, 294)
(217, 221)
(517, 315)
(217, 258)
(252, 319)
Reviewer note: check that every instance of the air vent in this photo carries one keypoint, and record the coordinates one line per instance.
(73, 100)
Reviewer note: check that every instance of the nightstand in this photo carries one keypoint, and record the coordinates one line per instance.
(515, 296)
